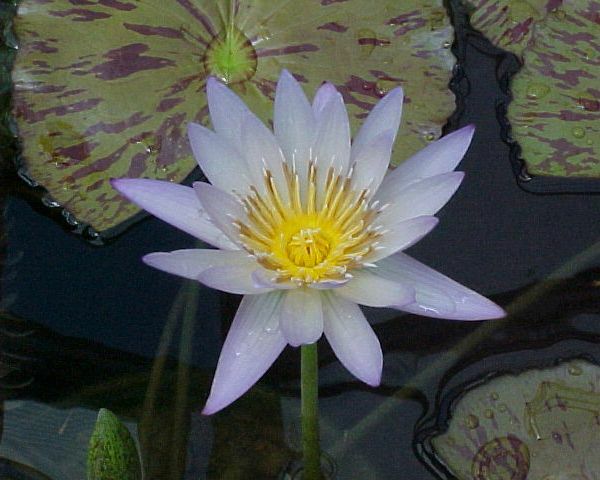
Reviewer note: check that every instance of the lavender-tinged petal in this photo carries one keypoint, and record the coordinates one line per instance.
(332, 143)
(294, 122)
(222, 164)
(236, 279)
(263, 152)
(352, 338)
(222, 208)
(371, 161)
(425, 197)
(437, 295)
(401, 236)
(372, 290)
(253, 343)
(324, 93)
(227, 111)
(191, 263)
(302, 316)
(175, 204)
(329, 284)
(264, 278)
(384, 117)
(439, 157)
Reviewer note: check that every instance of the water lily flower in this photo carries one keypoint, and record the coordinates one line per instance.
(308, 226)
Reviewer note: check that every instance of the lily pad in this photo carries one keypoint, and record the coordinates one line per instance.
(537, 424)
(509, 24)
(105, 88)
(555, 113)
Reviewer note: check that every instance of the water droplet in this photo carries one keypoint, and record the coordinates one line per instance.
(152, 149)
(578, 132)
(537, 90)
(502, 407)
(589, 104)
(472, 421)
(430, 137)
(367, 40)
(447, 44)
(237, 354)
(489, 413)
(384, 86)
(263, 33)
(559, 13)
(520, 11)
(574, 369)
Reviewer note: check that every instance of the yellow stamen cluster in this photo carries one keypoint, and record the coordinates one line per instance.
(304, 235)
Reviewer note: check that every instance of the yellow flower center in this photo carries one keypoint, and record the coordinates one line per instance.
(312, 236)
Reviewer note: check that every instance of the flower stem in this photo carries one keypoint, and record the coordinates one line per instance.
(310, 413)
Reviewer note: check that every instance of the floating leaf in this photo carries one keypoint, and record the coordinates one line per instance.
(539, 424)
(105, 88)
(112, 452)
(555, 113)
(509, 24)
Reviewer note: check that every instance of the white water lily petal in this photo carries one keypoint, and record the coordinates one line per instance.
(301, 316)
(332, 143)
(253, 343)
(437, 295)
(372, 290)
(352, 338)
(222, 164)
(263, 152)
(264, 278)
(439, 157)
(324, 93)
(222, 208)
(294, 122)
(190, 263)
(329, 284)
(401, 236)
(384, 116)
(426, 197)
(227, 111)
(236, 279)
(174, 204)
(371, 162)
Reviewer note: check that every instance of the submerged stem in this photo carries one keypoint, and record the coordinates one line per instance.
(310, 412)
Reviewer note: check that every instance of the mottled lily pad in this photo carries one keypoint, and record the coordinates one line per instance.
(540, 424)
(509, 24)
(555, 113)
(105, 88)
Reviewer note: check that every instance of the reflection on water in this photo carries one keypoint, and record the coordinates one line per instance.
(53, 387)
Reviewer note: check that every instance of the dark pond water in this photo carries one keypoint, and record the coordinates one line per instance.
(84, 327)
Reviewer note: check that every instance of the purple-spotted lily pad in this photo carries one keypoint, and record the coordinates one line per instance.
(540, 424)
(555, 113)
(509, 24)
(105, 88)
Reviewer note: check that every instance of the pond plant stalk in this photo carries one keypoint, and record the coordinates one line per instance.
(309, 378)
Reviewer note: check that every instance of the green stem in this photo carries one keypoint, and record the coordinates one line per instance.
(310, 413)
